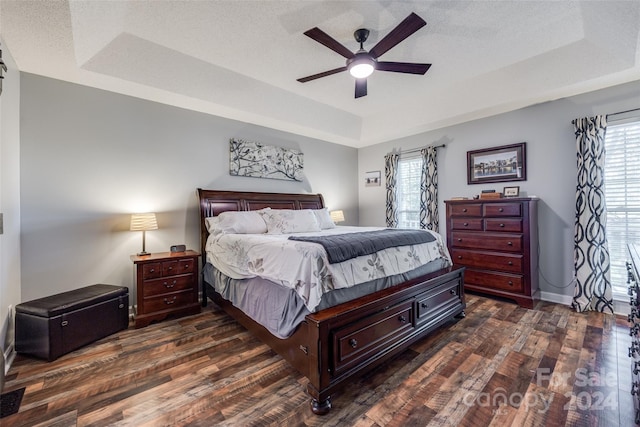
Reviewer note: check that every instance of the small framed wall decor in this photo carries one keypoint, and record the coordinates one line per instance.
(372, 179)
(511, 191)
(497, 164)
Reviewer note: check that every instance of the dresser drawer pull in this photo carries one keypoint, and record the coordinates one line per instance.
(510, 283)
(500, 210)
(424, 305)
(170, 301)
(169, 286)
(459, 256)
(502, 225)
(459, 239)
(510, 263)
(402, 319)
(464, 209)
(170, 268)
(353, 342)
(466, 224)
(64, 323)
(509, 243)
(152, 270)
(452, 292)
(186, 266)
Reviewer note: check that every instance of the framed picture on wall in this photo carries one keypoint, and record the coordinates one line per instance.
(372, 179)
(497, 164)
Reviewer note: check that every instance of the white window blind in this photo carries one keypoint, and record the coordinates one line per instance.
(622, 196)
(408, 192)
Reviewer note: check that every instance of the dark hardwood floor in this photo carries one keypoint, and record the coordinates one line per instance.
(502, 365)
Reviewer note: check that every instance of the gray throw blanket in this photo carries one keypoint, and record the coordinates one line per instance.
(342, 247)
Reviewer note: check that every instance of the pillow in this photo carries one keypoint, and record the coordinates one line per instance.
(285, 221)
(323, 218)
(237, 222)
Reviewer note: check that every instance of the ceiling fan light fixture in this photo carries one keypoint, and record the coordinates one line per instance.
(361, 65)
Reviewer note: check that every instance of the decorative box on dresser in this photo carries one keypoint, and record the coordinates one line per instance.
(497, 241)
(633, 279)
(166, 285)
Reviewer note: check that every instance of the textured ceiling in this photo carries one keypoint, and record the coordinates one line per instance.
(240, 59)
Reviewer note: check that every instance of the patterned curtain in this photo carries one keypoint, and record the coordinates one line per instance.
(429, 190)
(390, 173)
(591, 250)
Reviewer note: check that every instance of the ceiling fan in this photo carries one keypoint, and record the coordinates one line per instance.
(362, 63)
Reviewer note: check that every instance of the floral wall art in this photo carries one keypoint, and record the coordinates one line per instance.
(254, 159)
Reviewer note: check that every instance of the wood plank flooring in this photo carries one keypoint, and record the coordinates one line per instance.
(502, 365)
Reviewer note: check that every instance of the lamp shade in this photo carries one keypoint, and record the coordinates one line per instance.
(337, 216)
(143, 222)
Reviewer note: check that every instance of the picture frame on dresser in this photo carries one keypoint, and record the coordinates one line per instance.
(497, 164)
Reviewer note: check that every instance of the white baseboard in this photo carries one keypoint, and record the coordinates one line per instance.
(620, 307)
(9, 356)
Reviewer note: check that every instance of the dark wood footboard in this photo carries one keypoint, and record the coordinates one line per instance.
(334, 345)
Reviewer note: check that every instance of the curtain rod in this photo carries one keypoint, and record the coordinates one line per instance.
(622, 112)
(413, 150)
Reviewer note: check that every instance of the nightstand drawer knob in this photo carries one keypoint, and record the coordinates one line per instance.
(502, 225)
(510, 243)
(167, 285)
(510, 263)
(170, 301)
(459, 240)
(152, 270)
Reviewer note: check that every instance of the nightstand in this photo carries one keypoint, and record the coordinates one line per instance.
(166, 285)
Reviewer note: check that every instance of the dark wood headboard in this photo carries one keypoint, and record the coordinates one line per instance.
(214, 202)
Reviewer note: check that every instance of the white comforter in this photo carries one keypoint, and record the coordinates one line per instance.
(304, 266)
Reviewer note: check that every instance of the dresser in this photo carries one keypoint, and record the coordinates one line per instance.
(166, 285)
(497, 241)
(633, 279)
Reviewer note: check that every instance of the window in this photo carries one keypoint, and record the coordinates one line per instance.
(408, 192)
(622, 197)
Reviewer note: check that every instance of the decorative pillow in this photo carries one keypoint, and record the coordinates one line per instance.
(323, 218)
(285, 221)
(237, 222)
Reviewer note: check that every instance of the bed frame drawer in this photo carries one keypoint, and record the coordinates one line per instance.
(356, 342)
(441, 299)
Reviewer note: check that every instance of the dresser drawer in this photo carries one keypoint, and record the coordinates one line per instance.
(503, 209)
(502, 281)
(167, 285)
(178, 266)
(169, 301)
(510, 225)
(491, 241)
(488, 260)
(466, 224)
(466, 210)
(152, 270)
(356, 342)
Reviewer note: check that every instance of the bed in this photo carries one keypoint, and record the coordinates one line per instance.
(334, 341)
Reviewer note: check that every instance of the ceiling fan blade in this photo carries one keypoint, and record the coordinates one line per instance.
(323, 74)
(323, 38)
(402, 67)
(410, 25)
(361, 87)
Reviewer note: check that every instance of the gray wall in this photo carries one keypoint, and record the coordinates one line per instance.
(90, 158)
(9, 203)
(551, 170)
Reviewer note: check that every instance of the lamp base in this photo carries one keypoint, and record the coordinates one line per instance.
(143, 253)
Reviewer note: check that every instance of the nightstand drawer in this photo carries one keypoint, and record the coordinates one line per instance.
(167, 285)
(152, 270)
(169, 301)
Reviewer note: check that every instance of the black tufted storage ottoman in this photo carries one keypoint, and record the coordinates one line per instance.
(55, 325)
